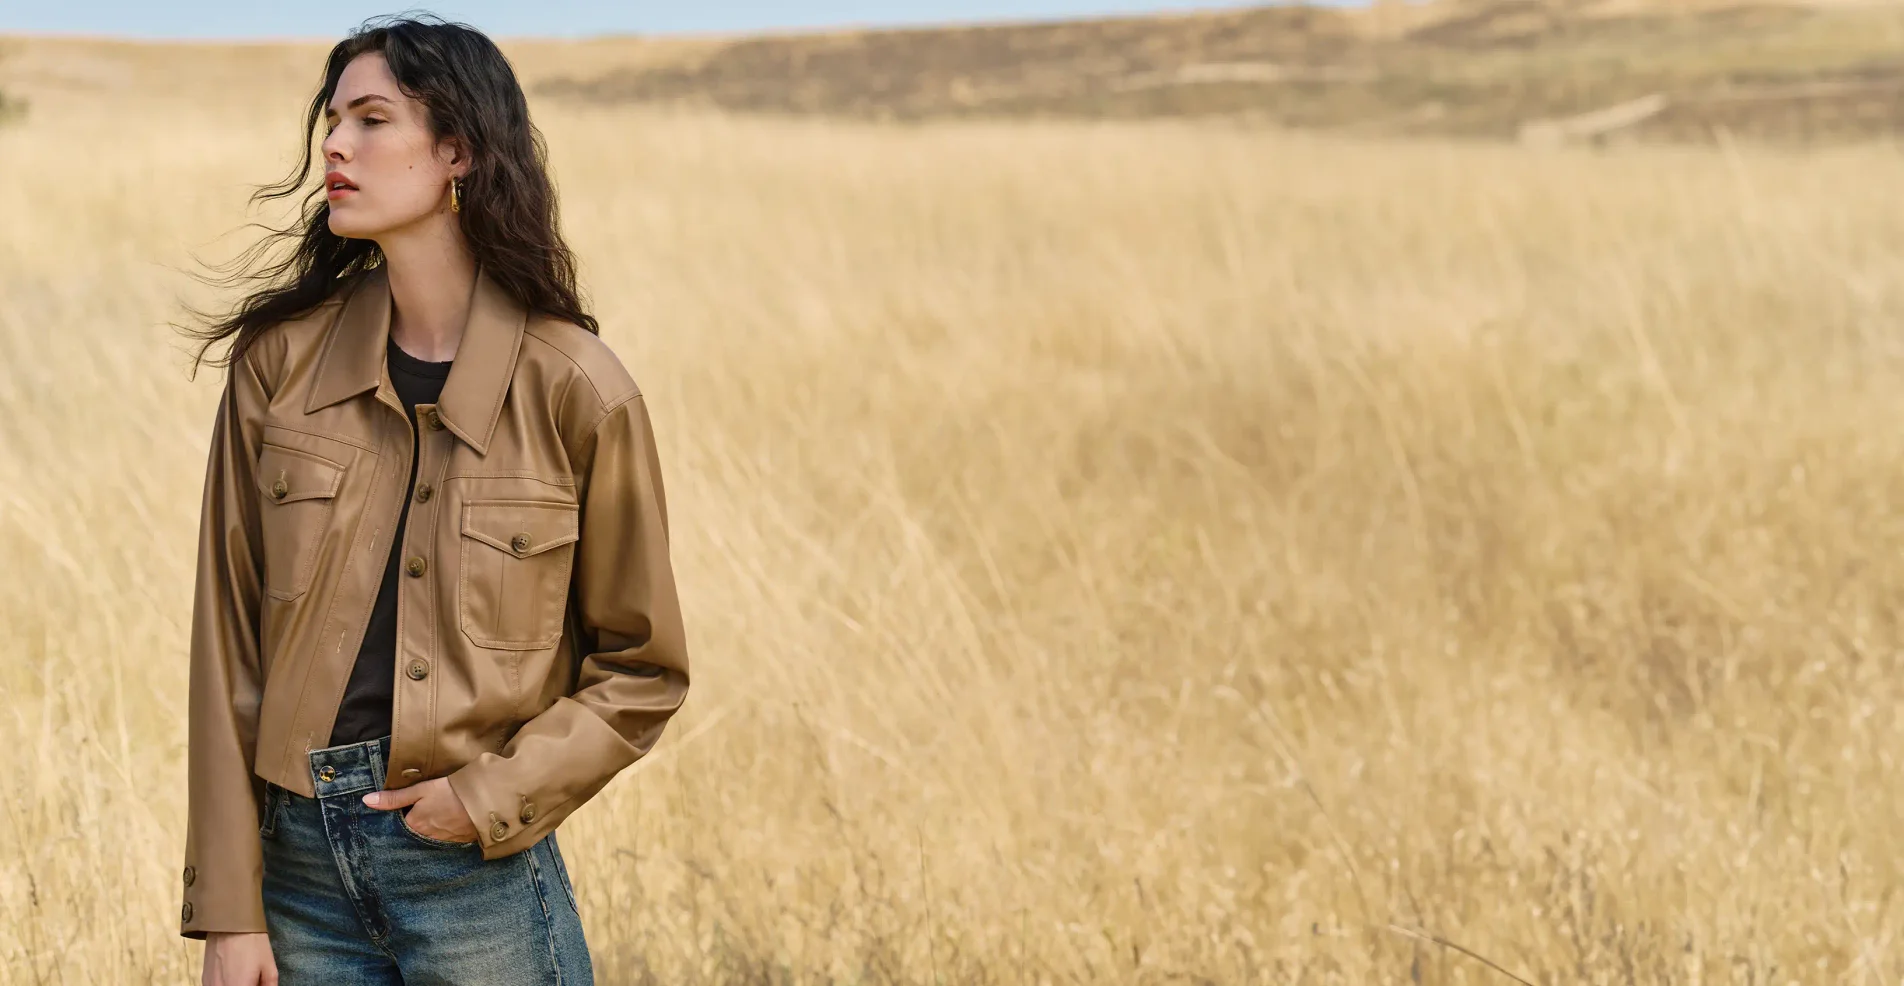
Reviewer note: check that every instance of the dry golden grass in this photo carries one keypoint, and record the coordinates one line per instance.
(1113, 554)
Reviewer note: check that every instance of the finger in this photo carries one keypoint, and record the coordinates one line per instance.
(394, 799)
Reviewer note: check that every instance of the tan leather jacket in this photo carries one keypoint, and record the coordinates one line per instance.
(540, 647)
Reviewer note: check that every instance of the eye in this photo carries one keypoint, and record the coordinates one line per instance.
(371, 119)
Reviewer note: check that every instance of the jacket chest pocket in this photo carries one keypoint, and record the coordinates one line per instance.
(512, 581)
(299, 492)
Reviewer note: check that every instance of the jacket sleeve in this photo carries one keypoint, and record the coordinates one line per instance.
(632, 651)
(223, 868)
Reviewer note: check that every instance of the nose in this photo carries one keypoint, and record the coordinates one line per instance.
(333, 146)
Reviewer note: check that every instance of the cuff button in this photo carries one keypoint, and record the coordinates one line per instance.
(528, 812)
(499, 831)
(190, 875)
(185, 913)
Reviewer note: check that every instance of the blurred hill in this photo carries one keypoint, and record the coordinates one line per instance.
(1491, 68)
(1538, 70)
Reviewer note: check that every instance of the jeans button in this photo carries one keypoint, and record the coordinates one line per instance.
(327, 773)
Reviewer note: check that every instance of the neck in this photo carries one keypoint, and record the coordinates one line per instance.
(432, 279)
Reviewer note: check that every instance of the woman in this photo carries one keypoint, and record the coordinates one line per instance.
(435, 611)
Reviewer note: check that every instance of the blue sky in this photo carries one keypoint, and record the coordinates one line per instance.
(560, 18)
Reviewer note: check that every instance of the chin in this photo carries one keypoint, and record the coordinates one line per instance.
(351, 226)
(346, 229)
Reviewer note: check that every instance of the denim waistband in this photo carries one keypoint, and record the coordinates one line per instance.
(349, 768)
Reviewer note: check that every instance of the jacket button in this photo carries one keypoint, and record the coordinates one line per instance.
(185, 913)
(327, 773)
(279, 490)
(423, 492)
(418, 670)
(190, 875)
(434, 420)
(520, 542)
(528, 812)
(499, 830)
(416, 566)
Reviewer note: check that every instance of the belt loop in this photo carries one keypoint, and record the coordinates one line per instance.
(376, 763)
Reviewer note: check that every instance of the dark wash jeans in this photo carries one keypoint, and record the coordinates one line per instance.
(354, 897)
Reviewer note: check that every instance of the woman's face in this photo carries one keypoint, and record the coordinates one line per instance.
(379, 142)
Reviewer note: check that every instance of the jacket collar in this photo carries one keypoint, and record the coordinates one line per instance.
(353, 359)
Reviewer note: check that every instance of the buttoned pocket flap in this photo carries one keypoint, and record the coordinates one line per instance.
(288, 474)
(521, 527)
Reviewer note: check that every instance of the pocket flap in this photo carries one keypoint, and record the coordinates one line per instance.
(287, 474)
(521, 527)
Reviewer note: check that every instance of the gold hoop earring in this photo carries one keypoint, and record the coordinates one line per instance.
(456, 195)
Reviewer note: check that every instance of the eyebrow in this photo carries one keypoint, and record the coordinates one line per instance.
(353, 104)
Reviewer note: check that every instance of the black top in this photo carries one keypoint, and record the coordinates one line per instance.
(364, 714)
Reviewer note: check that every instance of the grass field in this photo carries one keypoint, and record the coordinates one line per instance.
(1133, 553)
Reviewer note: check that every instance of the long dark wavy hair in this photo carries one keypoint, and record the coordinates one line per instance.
(508, 206)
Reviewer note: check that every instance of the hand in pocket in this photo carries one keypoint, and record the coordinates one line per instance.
(435, 810)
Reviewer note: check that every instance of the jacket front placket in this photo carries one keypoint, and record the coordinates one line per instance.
(363, 576)
(413, 696)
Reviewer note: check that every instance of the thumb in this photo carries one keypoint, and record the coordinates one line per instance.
(394, 799)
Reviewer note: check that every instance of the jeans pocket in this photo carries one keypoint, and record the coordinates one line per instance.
(403, 822)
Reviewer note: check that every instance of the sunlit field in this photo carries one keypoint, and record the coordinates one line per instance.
(1113, 554)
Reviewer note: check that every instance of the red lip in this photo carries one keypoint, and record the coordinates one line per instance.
(333, 177)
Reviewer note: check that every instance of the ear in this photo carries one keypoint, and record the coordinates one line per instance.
(456, 156)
